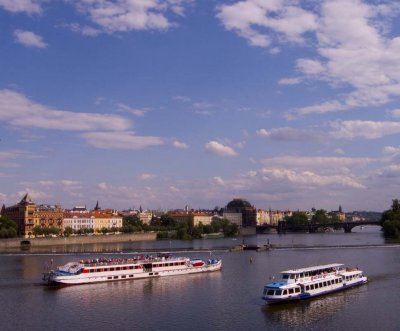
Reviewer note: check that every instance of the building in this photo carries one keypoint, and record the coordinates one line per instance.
(145, 217)
(242, 206)
(27, 215)
(235, 218)
(195, 217)
(91, 220)
(263, 217)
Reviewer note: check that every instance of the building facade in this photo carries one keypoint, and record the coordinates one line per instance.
(27, 215)
(91, 220)
(195, 218)
(242, 206)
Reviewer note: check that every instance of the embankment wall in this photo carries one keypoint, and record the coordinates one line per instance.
(42, 242)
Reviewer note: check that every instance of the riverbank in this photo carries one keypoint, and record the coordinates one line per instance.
(77, 240)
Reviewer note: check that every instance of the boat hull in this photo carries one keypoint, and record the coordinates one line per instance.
(55, 278)
(308, 295)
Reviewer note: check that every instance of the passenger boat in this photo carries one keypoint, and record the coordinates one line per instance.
(305, 283)
(106, 270)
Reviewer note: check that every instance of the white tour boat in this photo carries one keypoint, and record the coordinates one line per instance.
(305, 283)
(106, 270)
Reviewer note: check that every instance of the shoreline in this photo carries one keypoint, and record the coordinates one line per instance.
(76, 240)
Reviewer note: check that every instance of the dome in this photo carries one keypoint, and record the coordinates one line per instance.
(238, 204)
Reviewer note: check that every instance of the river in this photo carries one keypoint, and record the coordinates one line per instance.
(225, 300)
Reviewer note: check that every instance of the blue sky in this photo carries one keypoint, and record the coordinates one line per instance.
(164, 103)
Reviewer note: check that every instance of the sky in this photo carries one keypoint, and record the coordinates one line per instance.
(290, 104)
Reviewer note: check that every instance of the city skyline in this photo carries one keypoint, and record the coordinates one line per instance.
(289, 104)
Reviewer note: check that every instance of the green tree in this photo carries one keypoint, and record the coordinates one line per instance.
(8, 228)
(391, 220)
(68, 231)
(297, 220)
(320, 217)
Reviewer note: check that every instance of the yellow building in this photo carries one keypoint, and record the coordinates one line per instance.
(27, 215)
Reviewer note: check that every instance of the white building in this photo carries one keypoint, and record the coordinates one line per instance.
(92, 220)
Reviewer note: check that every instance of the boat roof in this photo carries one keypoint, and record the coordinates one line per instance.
(318, 267)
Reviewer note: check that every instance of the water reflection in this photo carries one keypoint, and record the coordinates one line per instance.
(302, 314)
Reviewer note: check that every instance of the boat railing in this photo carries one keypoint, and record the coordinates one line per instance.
(95, 263)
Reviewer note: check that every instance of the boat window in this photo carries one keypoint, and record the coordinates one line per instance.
(297, 290)
(324, 283)
(109, 277)
(123, 276)
(307, 287)
(312, 286)
(98, 270)
(284, 292)
(131, 267)
(278, 292)
(285, 277)
(111, 269)
(92, 270)
(115, 277)
(130, 276)
(292, 277)
(291, 290)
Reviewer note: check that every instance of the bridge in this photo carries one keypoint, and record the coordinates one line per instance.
(282, 227)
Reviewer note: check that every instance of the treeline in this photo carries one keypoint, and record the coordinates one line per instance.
(8, 228)
(298, 220)
(391, 220)
(167, 228)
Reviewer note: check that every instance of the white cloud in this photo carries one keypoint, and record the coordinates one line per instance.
(218, 180)
(259, 21)
(290, 81)
(121, 140)
(396, 113)
(391, 150)
(130, 110)
(289, 134)
(17, 110)
(128, 15)
(317, 163)
(8, 157)
(27, 6)
(85, 30)
(339, 151)
(147, 176)
(29, 39)
(103, 186)
(220, 149)
(363, 129)
(310, 67)
(309, 178)
(180, 145)
(325, 107)
(355, 51)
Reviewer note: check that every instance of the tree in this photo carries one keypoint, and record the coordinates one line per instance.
(8, 228)
(320, 217)
(391, 220)
(68, 231)
(297, 220)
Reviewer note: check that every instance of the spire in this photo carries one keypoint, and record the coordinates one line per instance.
(3, 209)
(26, 200)
(340, 208)
(97, 206)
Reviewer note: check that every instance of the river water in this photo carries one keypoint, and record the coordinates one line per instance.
(225, 300)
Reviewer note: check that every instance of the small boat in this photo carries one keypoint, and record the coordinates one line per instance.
(105, 269)
(305, 283)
